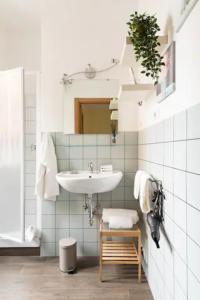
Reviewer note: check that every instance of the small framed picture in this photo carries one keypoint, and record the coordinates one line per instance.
(187, 7)
(166, 86)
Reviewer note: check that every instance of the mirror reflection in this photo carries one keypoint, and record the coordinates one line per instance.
(92, 116)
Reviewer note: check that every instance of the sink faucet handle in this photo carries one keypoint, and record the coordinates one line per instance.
(91, 166)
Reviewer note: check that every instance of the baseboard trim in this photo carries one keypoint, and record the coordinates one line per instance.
(20, 251)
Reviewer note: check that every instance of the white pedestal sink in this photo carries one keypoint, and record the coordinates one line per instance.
(89, 183)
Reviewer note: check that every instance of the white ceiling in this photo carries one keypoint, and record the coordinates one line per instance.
(20, 15)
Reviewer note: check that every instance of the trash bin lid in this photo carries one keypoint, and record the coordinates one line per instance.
(67, 242)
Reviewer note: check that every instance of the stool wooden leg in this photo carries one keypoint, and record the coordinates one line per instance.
(139, 257)
(100, 258)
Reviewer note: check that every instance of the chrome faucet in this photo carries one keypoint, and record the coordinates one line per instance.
(91, 167)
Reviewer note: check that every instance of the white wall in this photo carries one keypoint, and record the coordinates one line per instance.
(20, 48)
(187, 61)
(75, 33)
(128, 112)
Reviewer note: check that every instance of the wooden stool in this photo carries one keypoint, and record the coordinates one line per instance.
(119, 253)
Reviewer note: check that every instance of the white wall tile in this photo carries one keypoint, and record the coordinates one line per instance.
(193, 185)
(62, 139)
(193, 161)
(90, 152)
(180, 126)
(168, 154)
(193, 223)
(180, 155)
(193, 258)
(131, 165)
(118, 193)
(131, 151)
(30, 167)
(48, 221)
(30, 114)
(48, 235)
(76, 139)
(30, 207)
(48, 249)
(62, 233)
(131, 138)
(157, 153)
(159, 132)
(118, 164)
(29, 179)
(89, 139)
(103, 152)
(76, 207)
(76, 221)
(30, 127)
(117, 151)
(168, 179)
(76, 164)
(178, 292)
(62, 221)
(193, 287)
(180, 184)
(180, 243)
(30, 139)
(180, 271)
(90, 235)
(29, 193)
(30, 220)
(75, 152)
(90, 249)
(103, 139)
(62, 207)
(77, 234)
(193, 117)
(48, 207)
(169, 205)
(168, 130)
(180, 213)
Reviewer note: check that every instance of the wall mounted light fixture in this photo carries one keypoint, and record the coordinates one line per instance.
(90, 72)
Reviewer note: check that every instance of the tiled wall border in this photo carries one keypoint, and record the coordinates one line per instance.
(170, 151)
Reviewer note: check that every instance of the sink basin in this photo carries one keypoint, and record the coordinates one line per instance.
(86, 182)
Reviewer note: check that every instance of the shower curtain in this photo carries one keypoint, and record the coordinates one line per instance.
(11, 155)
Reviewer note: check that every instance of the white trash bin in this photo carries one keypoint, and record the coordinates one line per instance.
(67, 255)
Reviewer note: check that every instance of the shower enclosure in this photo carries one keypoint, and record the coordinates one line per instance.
(12, 155)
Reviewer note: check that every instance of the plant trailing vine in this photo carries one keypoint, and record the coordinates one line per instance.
(142, 32)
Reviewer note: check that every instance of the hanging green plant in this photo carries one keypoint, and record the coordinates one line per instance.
(142, 32)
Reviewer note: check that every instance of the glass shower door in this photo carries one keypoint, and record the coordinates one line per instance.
(11, 155)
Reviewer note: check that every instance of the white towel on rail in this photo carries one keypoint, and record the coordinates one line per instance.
(143, 190)
(46, 184)
(137, 184)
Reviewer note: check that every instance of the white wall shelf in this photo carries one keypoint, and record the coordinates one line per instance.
(163, 40)
(141, 85)
(128, 56)
(138, 87)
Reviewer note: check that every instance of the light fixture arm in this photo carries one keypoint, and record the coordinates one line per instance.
(90, 72)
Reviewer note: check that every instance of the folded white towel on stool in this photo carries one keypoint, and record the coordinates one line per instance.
(121, 222)
(125, 218)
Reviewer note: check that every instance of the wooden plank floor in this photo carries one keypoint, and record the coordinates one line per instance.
(38, 278)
